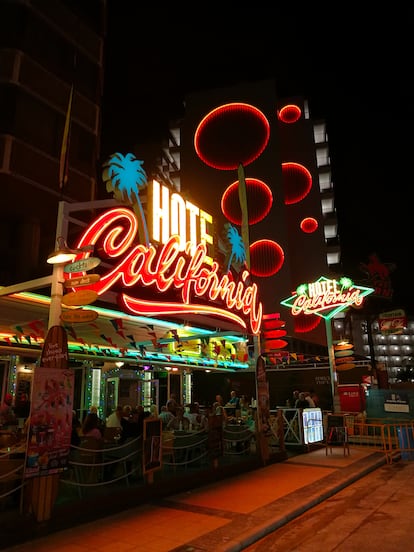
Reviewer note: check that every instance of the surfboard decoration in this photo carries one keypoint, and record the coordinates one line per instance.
(79, 298)
(55, 349)
(346, 353)
(345, 366)
(83, 265)
(78, 316)
(81, 280)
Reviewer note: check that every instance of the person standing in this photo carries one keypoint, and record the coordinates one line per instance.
(302, 402)
(309, 400)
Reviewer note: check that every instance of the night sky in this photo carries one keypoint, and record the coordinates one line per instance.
(355, 71)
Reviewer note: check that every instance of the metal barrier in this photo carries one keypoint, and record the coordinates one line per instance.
(11, 480)
(392, 439)
(237, 440)
(100, 466)
(185, 449)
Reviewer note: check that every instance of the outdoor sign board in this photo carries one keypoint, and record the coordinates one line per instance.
(392, 322)
(78, 316)
(167, 249)
(152, 449)
(82, 265)
(326, 297)
(81, 280)
(78, 298)
(51, 408)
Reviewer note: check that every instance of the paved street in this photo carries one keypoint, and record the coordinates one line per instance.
(227, 515)
(375, 513)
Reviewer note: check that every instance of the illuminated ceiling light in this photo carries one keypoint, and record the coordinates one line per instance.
(119, 364)
(63, 254)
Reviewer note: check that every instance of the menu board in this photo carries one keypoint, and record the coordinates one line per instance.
(152, 449)
(336, 429)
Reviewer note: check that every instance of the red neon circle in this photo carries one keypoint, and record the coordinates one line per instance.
(259, 201)
(297, 182)
(306, 322)
(309, 225)
(289, 113)
(266, 258)
(230, 135)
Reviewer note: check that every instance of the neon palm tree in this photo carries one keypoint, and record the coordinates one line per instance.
(238, 251)
(124, 176)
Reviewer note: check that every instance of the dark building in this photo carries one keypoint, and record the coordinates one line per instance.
(46, 48)
(285, 149)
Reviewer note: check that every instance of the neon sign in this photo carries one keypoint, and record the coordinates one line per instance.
(174, 266)
(173, 215)
(326, 297)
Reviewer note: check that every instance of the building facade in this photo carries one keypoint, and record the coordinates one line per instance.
(52, 65)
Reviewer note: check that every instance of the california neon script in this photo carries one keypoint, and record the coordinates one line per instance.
(327, 300)
(167, 268)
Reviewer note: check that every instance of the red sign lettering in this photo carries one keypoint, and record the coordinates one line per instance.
(168, 268)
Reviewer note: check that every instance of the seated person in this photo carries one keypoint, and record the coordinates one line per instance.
(166, 416)
(172, 404)
(126, 412)
(179, 422)
(90, 427)
(197, 420)
(101, 423)
(76, 429)
(219, 410)
(114, 419)
(244, 406)
(133, 426)
(234, 400)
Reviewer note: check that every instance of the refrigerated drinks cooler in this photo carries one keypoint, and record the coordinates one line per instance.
(312, 421)
(352, 397)
(301, 427)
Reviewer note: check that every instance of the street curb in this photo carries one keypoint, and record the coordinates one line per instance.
(346, 477)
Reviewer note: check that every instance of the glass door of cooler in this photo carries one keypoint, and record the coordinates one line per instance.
(151, 393)
(111, 394)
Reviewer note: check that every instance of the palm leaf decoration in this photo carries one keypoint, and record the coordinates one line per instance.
(124, 176)
(237, 253)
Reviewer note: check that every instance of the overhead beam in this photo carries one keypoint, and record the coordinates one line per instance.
(26, 286)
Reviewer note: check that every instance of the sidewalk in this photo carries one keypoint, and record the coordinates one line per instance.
(221, 517)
